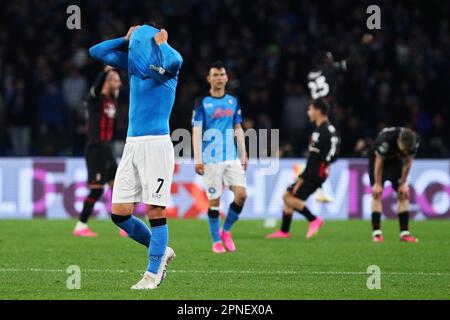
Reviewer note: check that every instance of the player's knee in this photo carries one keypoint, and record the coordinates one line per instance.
(94, 194)
(240, 197)
(156, 212)
(214, 202)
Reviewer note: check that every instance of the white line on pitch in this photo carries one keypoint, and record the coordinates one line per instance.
(261, 272)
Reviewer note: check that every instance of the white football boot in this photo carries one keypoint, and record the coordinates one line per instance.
(151, 281)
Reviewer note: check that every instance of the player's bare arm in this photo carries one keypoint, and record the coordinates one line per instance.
(239, 134)
(377, 188)
(197, 145)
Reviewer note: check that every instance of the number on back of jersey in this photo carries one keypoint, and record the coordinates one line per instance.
(318, 85)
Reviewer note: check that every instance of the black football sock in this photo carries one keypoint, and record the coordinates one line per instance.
(403, 219)
(308, 214)
(286, 222)
(89, 204)
(376, 221)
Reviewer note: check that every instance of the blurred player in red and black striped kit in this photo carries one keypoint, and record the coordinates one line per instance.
(101, 164)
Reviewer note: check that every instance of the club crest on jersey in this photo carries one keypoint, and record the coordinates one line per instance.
(110, 110)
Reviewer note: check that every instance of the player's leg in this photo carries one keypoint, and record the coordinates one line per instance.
(296, 200)
(402, 208)
(155, 162)
(377, 207)
(95, 162)
(126, 192)
(213, 185)
(112, 170)
(286, 222)
(234, 176)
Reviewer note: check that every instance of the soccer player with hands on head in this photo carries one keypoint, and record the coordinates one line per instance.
(146, 169)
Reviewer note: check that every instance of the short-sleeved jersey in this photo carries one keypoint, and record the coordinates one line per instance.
(323, 150)
(217, 117)
(386, 146)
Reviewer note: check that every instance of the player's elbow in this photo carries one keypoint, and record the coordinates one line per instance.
(94, 52)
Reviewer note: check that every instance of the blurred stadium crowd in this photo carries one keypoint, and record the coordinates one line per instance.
(268, 48)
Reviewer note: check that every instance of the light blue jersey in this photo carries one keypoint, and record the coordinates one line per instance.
(217, 117)
(153, 71)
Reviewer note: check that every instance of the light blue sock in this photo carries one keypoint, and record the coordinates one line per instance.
(214, 223)
(232, 217)
(160, 238)
(135, 227)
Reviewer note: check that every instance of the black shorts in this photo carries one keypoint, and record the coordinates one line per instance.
(307, 188)
(101, 164)
(392, 171)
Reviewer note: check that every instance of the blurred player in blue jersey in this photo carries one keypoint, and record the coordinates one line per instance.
(216, 122)
(146, 169)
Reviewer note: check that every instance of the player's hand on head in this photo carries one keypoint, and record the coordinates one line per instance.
(377, 191)
(107, 69)
(161, 37)
(130, 31)
(200, 168)
(367, 38)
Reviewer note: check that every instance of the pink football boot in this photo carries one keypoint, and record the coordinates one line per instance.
(314, 227)
(86, 232)
(218, 247)
(279, 235)
(408, 238)
(227, 240)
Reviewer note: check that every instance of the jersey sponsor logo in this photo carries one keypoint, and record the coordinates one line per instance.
(208, 105)
(222, 113)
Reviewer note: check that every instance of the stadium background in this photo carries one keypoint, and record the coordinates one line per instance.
(267, 46)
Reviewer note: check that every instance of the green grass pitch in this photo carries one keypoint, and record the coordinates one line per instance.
(34, 256)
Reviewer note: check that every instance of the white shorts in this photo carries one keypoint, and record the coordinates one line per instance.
(216, 175)
(145, 171)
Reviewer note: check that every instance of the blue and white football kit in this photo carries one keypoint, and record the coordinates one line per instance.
(217, 117)
(146, 169)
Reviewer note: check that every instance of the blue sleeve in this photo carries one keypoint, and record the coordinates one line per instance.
(171, 59)
(107, 53)
(238, 114)
(198, 116)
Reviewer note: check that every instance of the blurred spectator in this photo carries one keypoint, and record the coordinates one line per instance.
(267, 46)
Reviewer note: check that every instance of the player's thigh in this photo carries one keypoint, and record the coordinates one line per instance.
(234, 176)
(111, 166)
(392, 171)
(96, 165)
(127, 186)
(213, 180)
(155, 164)
(306, 189)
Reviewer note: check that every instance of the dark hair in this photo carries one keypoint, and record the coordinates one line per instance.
(408, 140)
(153, 23)
(322, 57)
(217, 65)
(322, 105)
